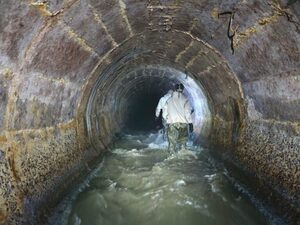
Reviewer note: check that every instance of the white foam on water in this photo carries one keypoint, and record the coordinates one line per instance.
(186, 153)
(119, 151)
(112, 187)
(158, 146)
(157, 141)
(179, 183)
(77, 220)
(211, 177)
(152, 183)
(157, 195)
(132, 152)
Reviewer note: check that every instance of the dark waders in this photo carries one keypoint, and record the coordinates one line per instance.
(177, 136)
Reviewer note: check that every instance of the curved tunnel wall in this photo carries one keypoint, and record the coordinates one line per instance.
(207, 70)
(115, 101)
(53, 53)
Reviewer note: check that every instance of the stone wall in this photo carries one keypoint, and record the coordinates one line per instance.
(33, 163)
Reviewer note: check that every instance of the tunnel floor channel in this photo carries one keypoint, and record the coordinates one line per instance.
(139, 182)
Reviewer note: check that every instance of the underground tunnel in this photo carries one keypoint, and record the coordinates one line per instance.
(77, 74)
(129, 100)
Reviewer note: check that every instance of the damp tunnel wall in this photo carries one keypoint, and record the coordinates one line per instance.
(59, 58)
(147, 56)
(128, 101)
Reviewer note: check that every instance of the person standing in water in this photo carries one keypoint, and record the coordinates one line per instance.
(159, 108)
(178, 116)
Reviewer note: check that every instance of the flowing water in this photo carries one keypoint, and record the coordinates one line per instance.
(138, 182)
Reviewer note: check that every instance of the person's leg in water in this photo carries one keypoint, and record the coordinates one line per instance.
(165, 129)
(172, 137)
(182, 136)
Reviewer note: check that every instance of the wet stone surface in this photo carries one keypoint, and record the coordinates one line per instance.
(278, 158)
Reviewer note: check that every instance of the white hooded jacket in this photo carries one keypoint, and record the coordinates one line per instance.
(177, 109)
(162, 103)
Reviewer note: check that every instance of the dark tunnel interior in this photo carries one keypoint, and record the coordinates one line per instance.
(130, 101)
(141, 114)
(125, 89)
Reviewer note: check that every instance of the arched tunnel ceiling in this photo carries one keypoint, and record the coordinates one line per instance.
(116, 93)
(205, 64)
(189, 54)
(61, 43)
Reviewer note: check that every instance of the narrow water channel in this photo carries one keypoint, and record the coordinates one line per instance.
(139, 183)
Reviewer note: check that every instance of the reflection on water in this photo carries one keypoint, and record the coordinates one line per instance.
(140, 183)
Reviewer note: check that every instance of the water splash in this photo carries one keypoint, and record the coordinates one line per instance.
(147, 185)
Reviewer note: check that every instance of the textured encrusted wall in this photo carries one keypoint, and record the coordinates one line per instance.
(33, 163)
(270, 146)
(52, 53)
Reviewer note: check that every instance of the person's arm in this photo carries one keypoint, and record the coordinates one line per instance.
(158, 108)
(191, 128)
(188, 111)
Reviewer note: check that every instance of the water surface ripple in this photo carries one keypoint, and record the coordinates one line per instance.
(139, 183)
